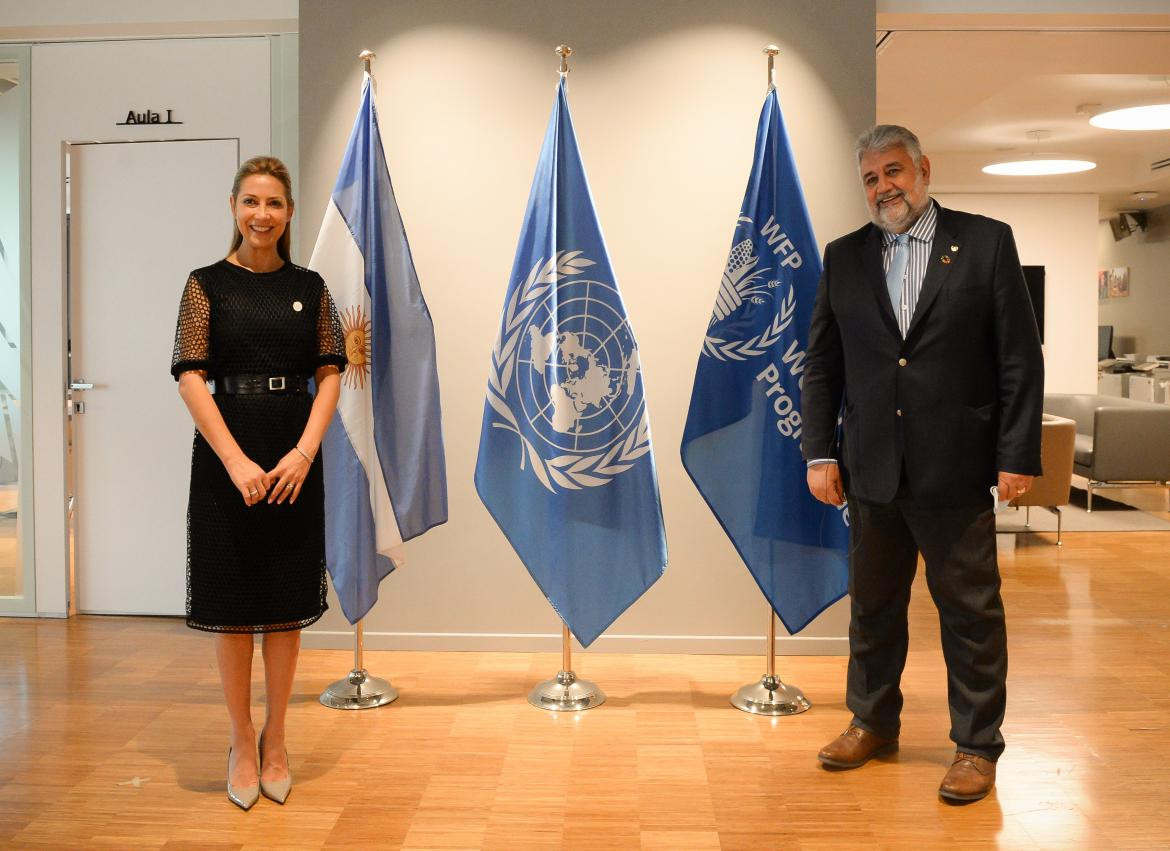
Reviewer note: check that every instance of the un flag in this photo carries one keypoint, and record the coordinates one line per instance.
(565, 463)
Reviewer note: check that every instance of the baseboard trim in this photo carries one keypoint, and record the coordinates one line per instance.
(740, 645)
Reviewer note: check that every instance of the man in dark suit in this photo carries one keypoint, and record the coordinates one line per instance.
(923, 341)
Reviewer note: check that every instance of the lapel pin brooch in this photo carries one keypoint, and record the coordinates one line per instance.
(946, 258)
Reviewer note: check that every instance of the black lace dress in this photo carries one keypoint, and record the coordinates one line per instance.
(258, 568)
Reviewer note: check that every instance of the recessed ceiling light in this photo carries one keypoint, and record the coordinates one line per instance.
(1143, 195)
(1038, 166)
(1155, 116)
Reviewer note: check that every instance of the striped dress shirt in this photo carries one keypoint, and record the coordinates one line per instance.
(921, 235)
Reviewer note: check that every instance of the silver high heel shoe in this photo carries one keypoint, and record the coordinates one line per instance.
(243, 797)
(275, 790)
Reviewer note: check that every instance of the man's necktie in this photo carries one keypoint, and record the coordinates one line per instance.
(897, 271)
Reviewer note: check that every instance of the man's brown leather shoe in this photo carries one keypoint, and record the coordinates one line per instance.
(970, 778)
(854, 748)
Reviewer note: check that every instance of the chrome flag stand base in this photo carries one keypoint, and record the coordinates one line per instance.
(359, 690)
(566, 693)
(770, 696)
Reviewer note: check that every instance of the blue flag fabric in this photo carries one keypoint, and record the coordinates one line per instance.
(384, 467)
(741, 443)
(565, 464)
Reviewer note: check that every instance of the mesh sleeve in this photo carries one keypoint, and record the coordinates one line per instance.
(330, 339)
(193, 330)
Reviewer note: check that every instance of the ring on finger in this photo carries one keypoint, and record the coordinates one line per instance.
(289, 486)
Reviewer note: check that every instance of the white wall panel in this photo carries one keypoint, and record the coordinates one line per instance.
(665, 99)
(1058, 232)
(217, 88)
(1141, 321)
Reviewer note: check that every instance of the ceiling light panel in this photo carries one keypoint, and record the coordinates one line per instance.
(1038, 167)
(1155, 116)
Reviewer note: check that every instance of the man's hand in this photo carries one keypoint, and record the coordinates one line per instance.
(1012, 485)
(824, 482)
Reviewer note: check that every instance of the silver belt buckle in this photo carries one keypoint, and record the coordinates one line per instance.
(276, 382)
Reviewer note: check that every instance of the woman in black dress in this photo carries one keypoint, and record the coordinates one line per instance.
(258, 327)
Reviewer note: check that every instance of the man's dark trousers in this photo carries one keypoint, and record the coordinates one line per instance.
(958, 547)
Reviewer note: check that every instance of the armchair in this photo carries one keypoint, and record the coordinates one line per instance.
(1051, 490)
(1119, 442)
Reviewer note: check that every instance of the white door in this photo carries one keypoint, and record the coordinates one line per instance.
(143, 215)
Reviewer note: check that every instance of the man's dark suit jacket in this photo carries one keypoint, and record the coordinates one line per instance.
(955, 402)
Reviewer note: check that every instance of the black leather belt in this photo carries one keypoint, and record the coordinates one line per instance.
(261, 384)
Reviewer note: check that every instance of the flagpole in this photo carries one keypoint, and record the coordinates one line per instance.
(771, 50)
(359, 690)
(566, 693)
(770, 696)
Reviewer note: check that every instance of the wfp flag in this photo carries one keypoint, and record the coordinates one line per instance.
(741, 443)
(565, 465)
(385, 476)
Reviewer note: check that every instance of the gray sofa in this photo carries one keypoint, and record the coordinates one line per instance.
(1119, 442)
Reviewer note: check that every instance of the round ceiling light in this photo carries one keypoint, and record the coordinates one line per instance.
(1039, 166)
(1155, 116)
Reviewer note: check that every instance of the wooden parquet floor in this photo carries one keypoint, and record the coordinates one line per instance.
(112, 735)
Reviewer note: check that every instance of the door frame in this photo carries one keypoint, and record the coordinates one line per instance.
(67, 408)
(26, 602)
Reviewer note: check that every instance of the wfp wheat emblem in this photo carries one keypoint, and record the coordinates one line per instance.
(566, 378)
(744, 286)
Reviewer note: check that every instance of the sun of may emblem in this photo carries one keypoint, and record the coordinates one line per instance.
(355, 326)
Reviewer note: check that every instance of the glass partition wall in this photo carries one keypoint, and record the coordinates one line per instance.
(17, 588)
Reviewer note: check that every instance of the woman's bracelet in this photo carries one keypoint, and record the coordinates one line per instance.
(303, 453)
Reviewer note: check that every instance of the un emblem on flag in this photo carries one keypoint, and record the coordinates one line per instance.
(578, 372)
(566, 377)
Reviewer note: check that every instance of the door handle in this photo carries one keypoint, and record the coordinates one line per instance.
(80, 385)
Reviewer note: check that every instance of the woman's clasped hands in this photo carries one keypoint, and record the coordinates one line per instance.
(282, 482)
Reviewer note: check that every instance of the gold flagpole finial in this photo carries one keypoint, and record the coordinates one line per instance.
(563, 51)
(367, 56)
(771, 50)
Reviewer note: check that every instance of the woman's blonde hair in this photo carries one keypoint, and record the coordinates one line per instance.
(274, 167)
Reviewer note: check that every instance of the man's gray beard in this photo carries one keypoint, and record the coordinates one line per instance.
(904, 223)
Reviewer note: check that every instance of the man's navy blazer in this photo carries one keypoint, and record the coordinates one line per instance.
(956, 401)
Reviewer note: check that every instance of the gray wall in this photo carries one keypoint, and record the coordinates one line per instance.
(665, 99)
(1141, 322)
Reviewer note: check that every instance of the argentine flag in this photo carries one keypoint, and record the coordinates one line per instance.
(565, 465)
(385, 474)
(741, 442)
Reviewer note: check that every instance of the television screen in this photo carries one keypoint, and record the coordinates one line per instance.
(1034, 278)
(1104, 342)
